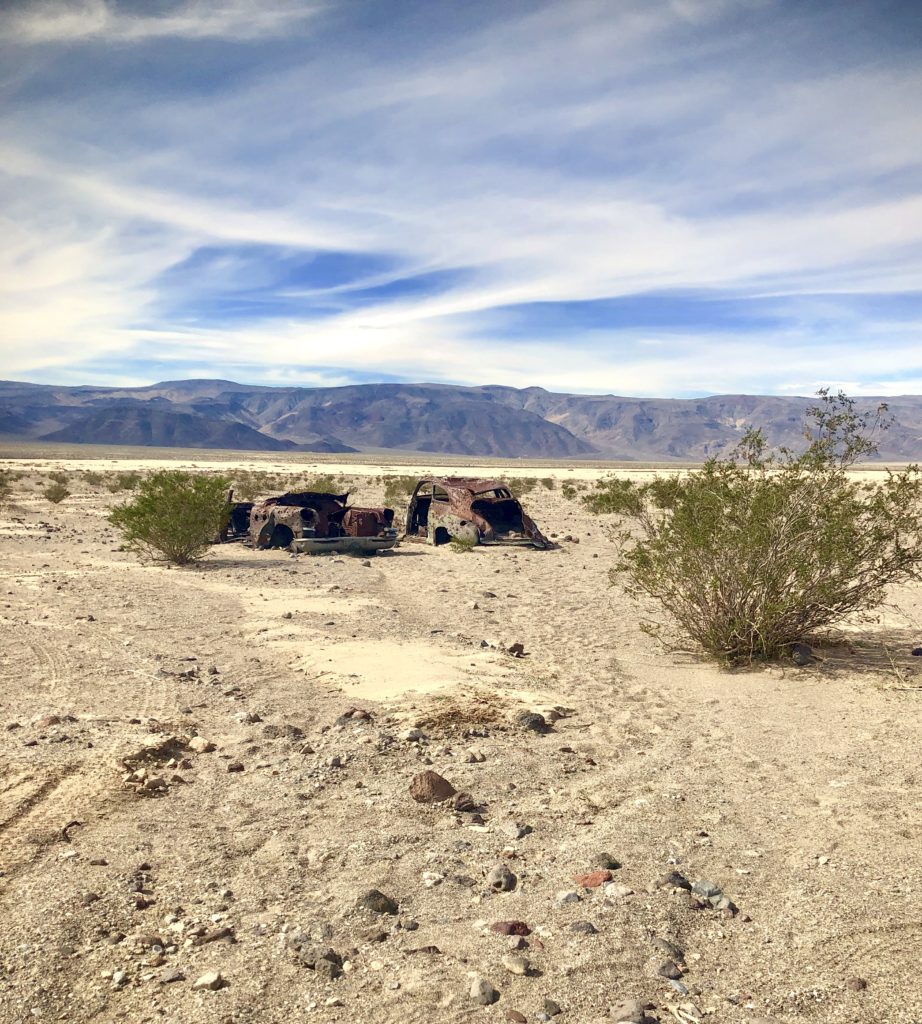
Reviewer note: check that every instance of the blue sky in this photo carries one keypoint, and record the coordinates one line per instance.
(648, 197)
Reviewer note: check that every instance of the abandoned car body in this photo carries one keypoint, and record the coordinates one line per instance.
(482, 511)
(312, 522)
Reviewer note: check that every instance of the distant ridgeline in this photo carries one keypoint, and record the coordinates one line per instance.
(439, 418)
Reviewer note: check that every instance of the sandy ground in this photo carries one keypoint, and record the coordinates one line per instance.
(797, 791)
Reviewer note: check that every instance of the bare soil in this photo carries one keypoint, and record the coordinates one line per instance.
(131, 864)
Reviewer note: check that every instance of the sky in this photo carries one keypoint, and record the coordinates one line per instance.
(637, 197)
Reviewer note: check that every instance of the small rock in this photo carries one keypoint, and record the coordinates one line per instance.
(482, 992)
(801, 654)
(377, 902)
(429, 787)
(286, 615)
(235, 766)
(630, 1011)
(670, 949)
(212, 980)
(568, 896)
(668, 969)
(200, 745)
(328, 969)
(532, 722)
(584, 928)
(706, 889)
(856, 984)
(606, 862)
(515, 1015)
(171, 977)
(593, 879)
(674, 880)
(516, 965)
(616, 890)
(501, 879)
(515, 830)
(464, 802)
(552, 1008)
(412, 735)
(510, 928)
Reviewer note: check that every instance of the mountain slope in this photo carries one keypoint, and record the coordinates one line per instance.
(489, 420)
(165, 428)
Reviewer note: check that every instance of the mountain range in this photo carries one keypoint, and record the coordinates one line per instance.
(488, 420)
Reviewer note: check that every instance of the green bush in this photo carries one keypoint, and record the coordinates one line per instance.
(523, 485)
(250, 485)
(398, 489)
(757, 551)
(56, 493)
(124, 482)
(175, 515)
(548, 482)
(568, 490)
(93, 478)
(58, 477)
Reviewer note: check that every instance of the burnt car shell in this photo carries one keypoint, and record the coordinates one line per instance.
(312, 521)
(484, 511)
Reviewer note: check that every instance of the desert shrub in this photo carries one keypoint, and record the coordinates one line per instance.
(174, 515)
(568, 490)
(523, 485)
(6, 485)
(398, 489)
(56, 493)
(249, 485)
(58, 477)
(93, 478)
(759, 550)
(325, 484)
(548, 482)
(123, 482)
(462, 544)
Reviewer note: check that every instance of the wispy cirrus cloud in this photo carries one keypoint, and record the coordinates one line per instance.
(413, 191)
(71, 21)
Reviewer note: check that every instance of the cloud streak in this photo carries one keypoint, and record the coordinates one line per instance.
(465, 164)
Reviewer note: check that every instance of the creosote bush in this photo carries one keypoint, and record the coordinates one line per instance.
(397, 491)
(757, 551)
(56, 493)
(6, 486)
(174, 515)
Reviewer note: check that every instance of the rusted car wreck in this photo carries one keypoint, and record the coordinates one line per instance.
(483, 511)
(312, 522)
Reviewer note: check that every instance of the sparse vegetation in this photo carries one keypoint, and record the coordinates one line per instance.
(6, 486)
(397, 491)
(249, 484)
(461, 545)
(123, 482)
(548, 482)
(93, 478)
(175, 515)
(759, 550)
(568, 490)
(57, 477)
(523, 485)
(56, 493)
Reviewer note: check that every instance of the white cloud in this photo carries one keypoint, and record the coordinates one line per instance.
(71, 21)
(579, 151)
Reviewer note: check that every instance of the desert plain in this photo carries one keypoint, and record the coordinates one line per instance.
(205, 772)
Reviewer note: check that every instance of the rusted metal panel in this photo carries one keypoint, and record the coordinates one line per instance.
(296, 519)
(443, 508)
